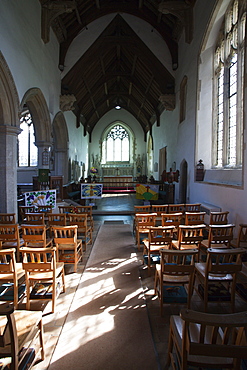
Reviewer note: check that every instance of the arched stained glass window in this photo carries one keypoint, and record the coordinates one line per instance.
(27, 150)
(117, 145)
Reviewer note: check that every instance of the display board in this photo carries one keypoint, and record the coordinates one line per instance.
(92, 191)
(41, 198)
(147, 191)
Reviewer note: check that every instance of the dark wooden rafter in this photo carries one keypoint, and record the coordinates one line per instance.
(127, 72)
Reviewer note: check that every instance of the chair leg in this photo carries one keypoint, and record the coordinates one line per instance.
(169, 349)
(41, 340)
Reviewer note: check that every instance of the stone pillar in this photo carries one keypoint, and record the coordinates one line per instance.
(8, 168)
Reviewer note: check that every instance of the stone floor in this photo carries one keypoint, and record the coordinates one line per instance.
(119, 208)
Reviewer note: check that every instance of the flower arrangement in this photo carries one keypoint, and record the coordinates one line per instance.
(93, 170)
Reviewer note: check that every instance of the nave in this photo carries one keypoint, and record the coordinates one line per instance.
(119, 209)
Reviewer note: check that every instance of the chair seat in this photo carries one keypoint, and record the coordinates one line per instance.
(46, 275)
(13, 244)
(175, 243)
(25, 322)
(70, 246)
(19, 271)
(201, 268)
(183, 279)
(205, 244)
(177, 326)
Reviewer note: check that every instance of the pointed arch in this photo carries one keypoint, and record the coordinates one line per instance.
(9, 106)
(36, 103)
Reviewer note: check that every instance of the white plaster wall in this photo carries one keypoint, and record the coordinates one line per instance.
(31, 62)
(228, 198)
(78, 143)
(144, 30)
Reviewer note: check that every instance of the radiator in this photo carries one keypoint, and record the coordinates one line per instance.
(206, 207)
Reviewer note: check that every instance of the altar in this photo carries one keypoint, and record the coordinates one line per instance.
(118, 183)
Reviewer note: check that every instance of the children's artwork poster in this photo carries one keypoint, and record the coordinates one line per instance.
(147, 191)
(41, 198)
(93, 191)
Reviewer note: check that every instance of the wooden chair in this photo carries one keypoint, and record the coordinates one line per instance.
(219, 273)
(218, 218)
(138, 210)
(84, 230)
(67, 209)
(44, 209)
(241, 240)
(194, 218)
(175, 208)
(21, 337)
(193, 207)
(34, 236)
(220, 236)
(10, 238)
(174, 219)
(142, 225)
(44, 276)
(69, 247)
(12, 277)
(89, 212)
(25, 209)
(203, 340)
(176, 269)
(35, 218)
(189, 237)
(56, 219)
(8, 218)
(159, 209)
(158, 238)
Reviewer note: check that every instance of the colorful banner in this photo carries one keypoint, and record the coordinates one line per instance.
(147, 191)
(93, 191)
(41, 198)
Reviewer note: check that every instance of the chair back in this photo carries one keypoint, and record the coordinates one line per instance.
(145, 220)
(142, 209)
(44, 209)
(65, 234)
(193, 207)
(54, 219)
(160, 236)
(175, 208)
(10, 233)
(220, 235)
(208, 339)
(174, 219)
(79, 219)
(224, 261)
(35, 218)
(178, 263)
(194, 218)
(218, 218)
(38, 261)
(189, 235)
(26, 209)
(7, 218)
(67, 209)
(34, 235)
(159, 208)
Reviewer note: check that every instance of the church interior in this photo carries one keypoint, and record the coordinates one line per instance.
(115, 105)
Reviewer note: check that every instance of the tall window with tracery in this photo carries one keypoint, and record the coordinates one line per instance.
(116, 146)
(229, 71)
(27, 150)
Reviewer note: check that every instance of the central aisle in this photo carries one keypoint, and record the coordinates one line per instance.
(107, 326)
